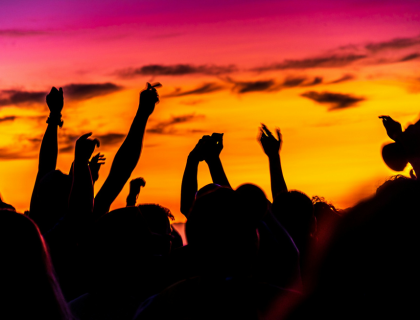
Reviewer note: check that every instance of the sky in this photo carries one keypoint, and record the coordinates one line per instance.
(322, 71)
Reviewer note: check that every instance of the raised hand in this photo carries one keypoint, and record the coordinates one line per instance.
(269, 143)
(55, 101)
(85, 147)
(95, 164)
(198, 153)
(148, 99)
(393, 128)
(213, 146)
(136, 184)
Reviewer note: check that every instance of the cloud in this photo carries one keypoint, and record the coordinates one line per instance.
(21, 98)
(409, 57)
(14, 33)
(7, 118)
(346, 77)
(329, 61)
(336, 100)
(168, 126)
(89, 90)
(291, 82)
(394, 44)
(175, 70)
(255, 86)
(203, 89)
(110, 138)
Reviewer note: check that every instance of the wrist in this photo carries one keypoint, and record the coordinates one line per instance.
(211, 160)
(55, 118)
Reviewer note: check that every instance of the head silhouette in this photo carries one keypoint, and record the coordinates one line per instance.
(30, 290)
(254, 200)
(394, 156)
(294, 210)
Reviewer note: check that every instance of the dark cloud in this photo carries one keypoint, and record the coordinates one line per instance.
(175, 70)
(203, 89)
(19, 98)
(7, 118)
(168, 126)
(255, 86)
(89, 90)
(409, 57)
(346, 77)
(336, 100)
(394, 44)
(14, 33)
(330, 61)
(11, 153)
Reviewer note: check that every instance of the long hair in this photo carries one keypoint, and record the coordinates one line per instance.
(27, 281)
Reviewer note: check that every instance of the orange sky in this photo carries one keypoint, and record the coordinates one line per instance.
(321, 73)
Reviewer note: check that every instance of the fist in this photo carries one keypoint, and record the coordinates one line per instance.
(148, 99)
(55, 100)
(136, 184)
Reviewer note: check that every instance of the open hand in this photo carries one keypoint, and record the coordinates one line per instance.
(85, 147)
(393, 128)
(55, 101)
(95, 164)
(269, 143)
(148, 98)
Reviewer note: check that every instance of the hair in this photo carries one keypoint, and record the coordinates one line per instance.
(254, 199)
(394, 156)
(30, 289)
(157, 218)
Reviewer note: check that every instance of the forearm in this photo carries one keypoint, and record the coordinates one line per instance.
(278, 184)
(132, 199)
(123, 165)
(189, 185)
(217, 172)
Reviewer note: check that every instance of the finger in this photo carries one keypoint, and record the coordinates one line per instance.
(86, 135)
(60, 90)
(266, 131)
(157, 85)
(149, 86)
(97, 143)
(278, 133)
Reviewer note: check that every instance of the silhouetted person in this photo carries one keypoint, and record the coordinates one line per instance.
(371, 266)
(30, 290)
(125, 266)
(207, 149)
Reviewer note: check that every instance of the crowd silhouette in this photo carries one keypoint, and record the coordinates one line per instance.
(68, 257)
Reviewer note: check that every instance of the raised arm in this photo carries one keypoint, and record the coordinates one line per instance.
(81, 195)
(271, 147)
(214, 146)
(135, 186)
(49, 146)
(129, 153)
(189, 185)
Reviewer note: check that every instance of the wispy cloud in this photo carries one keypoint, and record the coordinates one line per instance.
(255, 86)
(336, 101)
(393, 44)
(7, 118)
(76, 91)
(14, 33)
(168, 126)
(344, 78)
(409, 57)
(20, 98)
(84, 91)
(110, 138)
(203, 89)
(327, 61)
(175, 70)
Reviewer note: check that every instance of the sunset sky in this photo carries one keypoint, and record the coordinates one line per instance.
(322, 71)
